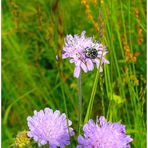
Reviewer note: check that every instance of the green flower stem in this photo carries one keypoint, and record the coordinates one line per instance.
(80, 102)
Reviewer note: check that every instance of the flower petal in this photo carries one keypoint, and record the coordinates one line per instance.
(105, 61)
(97, 61)
(83, 34)
(65, 55)
(90, 65)
(81, 140)
(102, 121)
(83, 66)
(77, 71)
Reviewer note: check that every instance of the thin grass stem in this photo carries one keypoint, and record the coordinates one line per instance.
(89, 109)
(65, 108)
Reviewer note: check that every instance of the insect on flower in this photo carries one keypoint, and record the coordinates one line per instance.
(91, 53)
(84, 53)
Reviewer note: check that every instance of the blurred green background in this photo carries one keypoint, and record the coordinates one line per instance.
(33, 34)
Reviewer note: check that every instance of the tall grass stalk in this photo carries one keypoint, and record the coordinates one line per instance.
(65, 108)
(90, 105)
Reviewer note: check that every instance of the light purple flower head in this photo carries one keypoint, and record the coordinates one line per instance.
(84, 53)
(103, 134)
(50, 127)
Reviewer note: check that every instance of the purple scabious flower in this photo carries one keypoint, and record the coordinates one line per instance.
(50, 127)
(104, 135)
(84, 53)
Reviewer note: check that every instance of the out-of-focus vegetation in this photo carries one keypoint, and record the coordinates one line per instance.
(33, 34)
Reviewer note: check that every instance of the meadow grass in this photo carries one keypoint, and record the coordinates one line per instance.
(33, 34)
